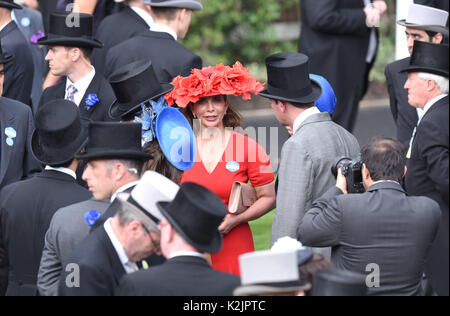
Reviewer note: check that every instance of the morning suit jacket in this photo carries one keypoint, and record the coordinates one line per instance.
(335, 37)
(67, 229)
(305, 169)
(169, 58)
(26, 209)
(19, 72)
(179, 276)
(98, 86)
(114, 25)
(17, 161)
(405, 115)
(428, 175)
(382, 226)
(30, 29)
(100, 269)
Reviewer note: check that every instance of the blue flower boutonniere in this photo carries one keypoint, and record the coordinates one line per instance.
(92, 216)
(91, 100)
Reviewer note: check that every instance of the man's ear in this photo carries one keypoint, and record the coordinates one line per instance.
(437, 39)
(282, 106)
(404, 173)
(365, 172)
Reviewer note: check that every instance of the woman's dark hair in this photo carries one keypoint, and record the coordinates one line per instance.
(231, 119)
(385, 158)
(160, 164)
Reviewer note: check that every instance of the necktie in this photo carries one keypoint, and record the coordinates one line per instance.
(408, 154)
(71, 90)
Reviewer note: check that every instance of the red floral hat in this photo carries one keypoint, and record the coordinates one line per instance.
(210, 81)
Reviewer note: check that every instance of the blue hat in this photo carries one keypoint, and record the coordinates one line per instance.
(327, 101)
(176, 138)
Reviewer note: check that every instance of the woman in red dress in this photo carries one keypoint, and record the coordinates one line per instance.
(223, 155)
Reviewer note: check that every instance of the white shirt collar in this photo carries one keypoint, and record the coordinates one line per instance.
(128, 265)
(156, 27)
(63, 170)
(123, 188)
(421, 112)
(82, 85)
(144, 15)
(303, 116)
(186, 253)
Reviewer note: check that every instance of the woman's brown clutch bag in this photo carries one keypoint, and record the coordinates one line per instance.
(242, 196)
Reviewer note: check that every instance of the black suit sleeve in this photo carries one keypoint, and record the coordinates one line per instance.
(391, 90)
(326, 16)
(3, 253)
(321, 225)
(435, 151)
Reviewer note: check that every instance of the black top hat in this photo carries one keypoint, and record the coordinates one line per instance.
(288, 79)
(429, 58)
(59, 133)
(334, 282)
(196, 214)
(9, 4)
(114, 140)
(4, 57)
(71, 29)
(187, 4)
(134, 84)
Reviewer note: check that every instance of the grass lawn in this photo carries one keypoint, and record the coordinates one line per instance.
(261, 229)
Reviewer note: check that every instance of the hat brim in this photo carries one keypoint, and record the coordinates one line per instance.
(213, 246)
(196, 6)
(104, 153)
(116, 113)
(257, 289)
(434, 71)
(54, 40)
(425, 27)
(9, 5)
(6, 58)
(61, 155)
(312, 97)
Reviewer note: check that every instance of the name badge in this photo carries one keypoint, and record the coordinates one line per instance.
(232, 166)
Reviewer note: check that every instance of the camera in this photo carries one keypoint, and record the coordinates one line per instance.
(351, 170)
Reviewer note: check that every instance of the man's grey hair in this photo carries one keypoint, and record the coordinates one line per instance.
(440, 81)
(134, 167)
(128, 213)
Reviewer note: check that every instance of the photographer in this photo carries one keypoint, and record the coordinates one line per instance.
(382, 228)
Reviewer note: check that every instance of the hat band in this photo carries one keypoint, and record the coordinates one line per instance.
(291, 94)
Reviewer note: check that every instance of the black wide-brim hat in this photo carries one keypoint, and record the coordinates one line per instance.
(134, 84)
(72, 30)
(429, 58)
(114, 140)
(60, 133)
(196, 214)
(9, 4)
(288, 79)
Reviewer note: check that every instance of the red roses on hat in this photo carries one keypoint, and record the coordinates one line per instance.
(215, 80)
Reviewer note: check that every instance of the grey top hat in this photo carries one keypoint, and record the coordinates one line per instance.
(426, 18)
(186, 4)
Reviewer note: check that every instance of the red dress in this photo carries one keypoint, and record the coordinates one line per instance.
(242, 160)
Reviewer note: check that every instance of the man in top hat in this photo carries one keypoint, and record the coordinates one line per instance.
(16, 125)
(170, 58)
(71, 224)
(70, 44)
(306, 158)
(341, 39)
(27, 207)
(136, 15)
(189, 228)
(114, 249)
(428, 155)
(19, 73)
(422, 24)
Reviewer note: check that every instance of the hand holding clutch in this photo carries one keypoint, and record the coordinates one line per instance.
(242, 196)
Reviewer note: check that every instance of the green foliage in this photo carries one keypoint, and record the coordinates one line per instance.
(230, 30)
